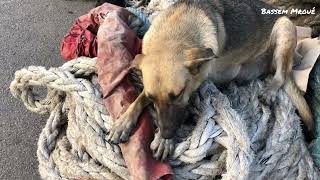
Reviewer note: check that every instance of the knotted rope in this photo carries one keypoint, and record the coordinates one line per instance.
(257, 141)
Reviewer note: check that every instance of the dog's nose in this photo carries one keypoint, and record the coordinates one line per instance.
(167, 125)
(170, 121)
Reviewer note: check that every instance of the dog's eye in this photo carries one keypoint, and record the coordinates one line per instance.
(173, 96)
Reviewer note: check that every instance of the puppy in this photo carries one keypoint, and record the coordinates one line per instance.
(223, 40)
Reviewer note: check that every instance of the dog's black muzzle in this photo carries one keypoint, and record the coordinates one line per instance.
(169, 121)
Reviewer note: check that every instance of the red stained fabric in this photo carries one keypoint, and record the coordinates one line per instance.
(117, 45)
(81, 39)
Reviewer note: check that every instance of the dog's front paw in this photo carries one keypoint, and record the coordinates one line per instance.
(162, 148)
(122, 129)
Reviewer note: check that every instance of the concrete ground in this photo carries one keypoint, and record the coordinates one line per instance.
(30, 34)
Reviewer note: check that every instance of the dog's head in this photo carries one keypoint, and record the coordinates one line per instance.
(169, 79)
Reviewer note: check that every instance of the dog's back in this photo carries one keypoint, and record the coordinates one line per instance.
(244, 24)
(238, 25)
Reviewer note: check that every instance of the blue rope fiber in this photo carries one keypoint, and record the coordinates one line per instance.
(142, 17)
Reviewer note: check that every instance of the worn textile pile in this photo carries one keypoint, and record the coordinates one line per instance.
(233, 134)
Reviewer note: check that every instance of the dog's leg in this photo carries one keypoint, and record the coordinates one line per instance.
(124, 126)
(284, 40)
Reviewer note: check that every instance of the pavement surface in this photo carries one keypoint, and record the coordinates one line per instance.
(30, 34)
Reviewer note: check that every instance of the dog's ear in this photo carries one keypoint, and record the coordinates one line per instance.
(136, 62)
(195, 57)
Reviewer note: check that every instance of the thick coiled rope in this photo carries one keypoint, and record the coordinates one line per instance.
(73, 145)
(257, 142)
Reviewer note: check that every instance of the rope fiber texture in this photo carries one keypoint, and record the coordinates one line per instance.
(252, 140)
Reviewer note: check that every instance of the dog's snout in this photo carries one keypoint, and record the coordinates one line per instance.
(169, 121)
(166, 125)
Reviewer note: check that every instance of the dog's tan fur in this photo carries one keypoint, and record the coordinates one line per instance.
(195, 40)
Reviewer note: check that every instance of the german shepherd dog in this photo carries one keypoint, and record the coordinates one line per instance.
(222, 40)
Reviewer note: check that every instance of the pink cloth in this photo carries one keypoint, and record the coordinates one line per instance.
(117, 46)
